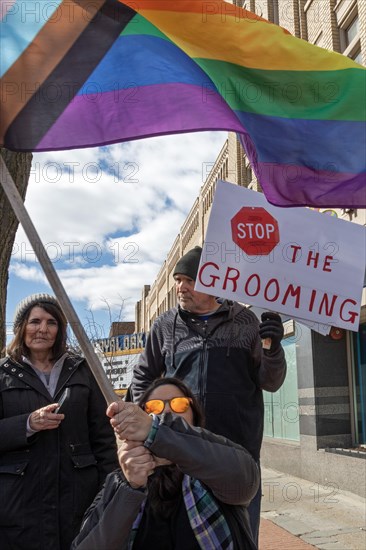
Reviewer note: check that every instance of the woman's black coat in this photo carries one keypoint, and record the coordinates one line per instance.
(48, 480)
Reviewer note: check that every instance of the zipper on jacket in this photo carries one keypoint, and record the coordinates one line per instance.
(72, 370)
(202, 380)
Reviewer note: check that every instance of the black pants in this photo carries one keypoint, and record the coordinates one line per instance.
(254, 510)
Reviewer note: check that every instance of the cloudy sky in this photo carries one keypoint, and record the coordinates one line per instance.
(108, 217)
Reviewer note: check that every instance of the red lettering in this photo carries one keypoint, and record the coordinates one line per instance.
(254, 276)
(277, 290)
(212, 278)
(296, 249)
(327, 263)
(352, 314)
(233, 278)
(312, 300)
(294, 291)
(312, 258)
(325, 302)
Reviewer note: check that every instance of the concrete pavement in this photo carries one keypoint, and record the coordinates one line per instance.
(299, 514)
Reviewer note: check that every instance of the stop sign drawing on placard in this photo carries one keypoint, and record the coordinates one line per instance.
(255, 231)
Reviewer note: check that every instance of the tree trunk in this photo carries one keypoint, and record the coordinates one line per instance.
(19, 165)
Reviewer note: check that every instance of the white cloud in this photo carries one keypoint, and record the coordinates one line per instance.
(28, 273)
(126, 202)
(152, 242)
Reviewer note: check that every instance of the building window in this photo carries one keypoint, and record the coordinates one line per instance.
(281, 409)
(349, 29)
(357, 57)
(351, 32)
(359, 383)
(273, 12)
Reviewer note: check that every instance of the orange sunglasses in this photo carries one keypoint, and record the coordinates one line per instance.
(177, 404)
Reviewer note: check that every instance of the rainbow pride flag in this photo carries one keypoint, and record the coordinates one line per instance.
(80, 74)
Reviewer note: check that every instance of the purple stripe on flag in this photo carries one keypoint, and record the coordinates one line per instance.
(287, 184)
(138, 112)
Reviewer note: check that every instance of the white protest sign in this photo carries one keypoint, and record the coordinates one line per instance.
(317, 327)
(291, 260)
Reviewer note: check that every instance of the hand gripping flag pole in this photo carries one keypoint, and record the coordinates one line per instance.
(20, 211)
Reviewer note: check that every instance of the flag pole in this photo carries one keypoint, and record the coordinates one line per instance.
(21, 213)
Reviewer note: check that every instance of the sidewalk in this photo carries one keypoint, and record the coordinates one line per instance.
(301, 515)
(272, 537)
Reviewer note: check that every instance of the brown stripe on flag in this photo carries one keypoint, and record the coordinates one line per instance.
(64, 82)
(23, 79)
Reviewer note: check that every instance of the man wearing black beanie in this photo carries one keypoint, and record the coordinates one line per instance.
(188, 264)
(216, 349)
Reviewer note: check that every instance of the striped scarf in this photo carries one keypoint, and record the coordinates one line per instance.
(207, 521)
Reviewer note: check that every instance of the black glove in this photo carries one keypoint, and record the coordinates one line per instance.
(271, 327)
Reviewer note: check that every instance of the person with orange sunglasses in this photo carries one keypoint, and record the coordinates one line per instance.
(180, 486)
(225, 355)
